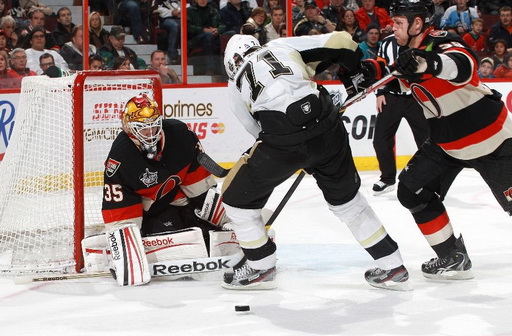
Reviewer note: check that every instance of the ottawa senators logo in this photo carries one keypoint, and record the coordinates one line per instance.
(111, 166)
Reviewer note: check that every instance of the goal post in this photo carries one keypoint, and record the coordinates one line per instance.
(51, 177)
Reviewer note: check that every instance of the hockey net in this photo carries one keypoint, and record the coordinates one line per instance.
(51, 177)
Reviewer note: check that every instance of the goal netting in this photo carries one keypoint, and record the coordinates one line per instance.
(51, 177)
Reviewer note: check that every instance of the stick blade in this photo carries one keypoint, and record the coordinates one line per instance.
(23, 280)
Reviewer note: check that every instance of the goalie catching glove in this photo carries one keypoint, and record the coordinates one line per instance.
(413, 63)
(213, 211)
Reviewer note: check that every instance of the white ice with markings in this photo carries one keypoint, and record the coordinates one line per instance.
(320, 275)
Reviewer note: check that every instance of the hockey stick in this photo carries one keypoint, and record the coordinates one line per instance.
(383, 81)
(285, 199)
(213, 167)
(21, 280)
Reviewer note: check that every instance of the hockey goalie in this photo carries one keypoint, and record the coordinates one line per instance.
(159, 203)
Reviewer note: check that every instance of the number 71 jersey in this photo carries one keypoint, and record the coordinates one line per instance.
(275, 76)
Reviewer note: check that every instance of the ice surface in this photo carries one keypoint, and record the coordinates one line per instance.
(321, 287)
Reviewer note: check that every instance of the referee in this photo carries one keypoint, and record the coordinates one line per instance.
(393, 104)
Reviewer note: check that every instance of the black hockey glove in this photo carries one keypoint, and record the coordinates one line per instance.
(354, 83)
(368, 73)
(374, 70)
(412, 63)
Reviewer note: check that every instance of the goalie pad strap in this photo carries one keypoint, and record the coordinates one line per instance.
(128, 257)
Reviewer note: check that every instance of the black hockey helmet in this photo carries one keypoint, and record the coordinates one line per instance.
(413, 8)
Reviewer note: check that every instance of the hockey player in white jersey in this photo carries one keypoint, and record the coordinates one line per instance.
(296, 126)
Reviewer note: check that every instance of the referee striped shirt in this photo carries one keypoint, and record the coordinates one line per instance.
(389, 50)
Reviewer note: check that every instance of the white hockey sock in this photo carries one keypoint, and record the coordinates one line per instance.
(366, 227)
(251, 234)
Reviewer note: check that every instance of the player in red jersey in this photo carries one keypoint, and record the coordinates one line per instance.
(469, 124)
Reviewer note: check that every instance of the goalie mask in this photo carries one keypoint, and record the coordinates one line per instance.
(238, 47)
(142, 121)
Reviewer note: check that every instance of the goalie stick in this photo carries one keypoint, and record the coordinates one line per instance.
(25, 279)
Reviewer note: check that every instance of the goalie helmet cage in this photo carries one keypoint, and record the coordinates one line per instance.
(51, 177)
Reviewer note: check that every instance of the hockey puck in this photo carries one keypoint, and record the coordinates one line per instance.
(242, 308)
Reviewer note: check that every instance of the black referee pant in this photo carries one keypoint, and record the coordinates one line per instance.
(386, 126)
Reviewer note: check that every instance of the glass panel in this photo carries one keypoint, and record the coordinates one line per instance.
(194, 47)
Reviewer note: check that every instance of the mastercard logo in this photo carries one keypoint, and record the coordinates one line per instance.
(218, 128)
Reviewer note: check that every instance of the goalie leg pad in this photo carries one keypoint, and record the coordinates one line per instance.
(96, 254)
(175, 245)
(223, 243)
(128, 258)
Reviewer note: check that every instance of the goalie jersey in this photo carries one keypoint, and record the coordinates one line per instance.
(136, 187)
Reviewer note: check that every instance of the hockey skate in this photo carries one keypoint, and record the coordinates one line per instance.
(456, 265)
(380, 188)
(246, 278)
(394, 279)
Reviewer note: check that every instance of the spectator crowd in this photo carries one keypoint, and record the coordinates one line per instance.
(29, 48)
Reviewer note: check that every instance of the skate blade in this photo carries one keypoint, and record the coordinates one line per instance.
(385, 191)
(404, 286)
(451, 275)
(267, 285)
